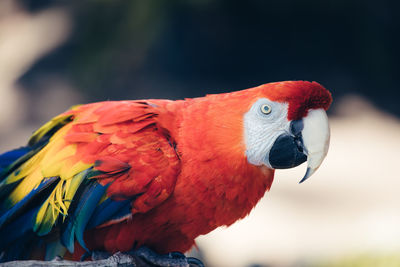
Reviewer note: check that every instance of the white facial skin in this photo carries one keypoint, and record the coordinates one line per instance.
(261, 130)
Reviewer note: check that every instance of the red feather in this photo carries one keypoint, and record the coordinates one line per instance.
(301, 96)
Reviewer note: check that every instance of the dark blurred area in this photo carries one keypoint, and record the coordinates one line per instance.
(175, 49)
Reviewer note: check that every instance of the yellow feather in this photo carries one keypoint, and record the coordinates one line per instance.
(52, 205)
(67, 187)
(52, 164)
(76, 168)
(42, 131)
(68, 164)
(26, 169)
(55, 148)
(75, 183)
(41, 212)
(40, 217)
(26, 186)
(59, 201)
(56, 159)
(45, 218)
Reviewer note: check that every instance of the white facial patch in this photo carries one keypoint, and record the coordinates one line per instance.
(261, 130)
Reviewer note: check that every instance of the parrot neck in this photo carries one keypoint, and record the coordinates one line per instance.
(216, 175)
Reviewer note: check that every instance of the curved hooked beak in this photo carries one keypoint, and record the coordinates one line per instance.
(308, 140)
(316, 136)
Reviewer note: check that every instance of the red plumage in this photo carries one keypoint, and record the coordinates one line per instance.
(182, 162)
(300, 95)
(208, 167)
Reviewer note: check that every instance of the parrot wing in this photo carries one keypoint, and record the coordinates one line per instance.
(92, 166)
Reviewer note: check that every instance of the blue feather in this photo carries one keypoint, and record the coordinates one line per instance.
(9, 157)
(89, 204)
(11, 160)
(76, 224)
(109, 210)
(18, 228)
(68, 236)
(21, 248)
(8, 214)
(13, 251)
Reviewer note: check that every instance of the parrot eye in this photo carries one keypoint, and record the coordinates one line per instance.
(266, 109)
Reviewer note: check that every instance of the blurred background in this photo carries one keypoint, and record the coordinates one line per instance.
(54, 54)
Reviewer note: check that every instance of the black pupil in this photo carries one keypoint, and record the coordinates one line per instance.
(266, 109)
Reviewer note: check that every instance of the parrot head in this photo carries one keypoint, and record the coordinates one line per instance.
(286, 125)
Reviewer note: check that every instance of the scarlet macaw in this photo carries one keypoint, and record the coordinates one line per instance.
(117, 175)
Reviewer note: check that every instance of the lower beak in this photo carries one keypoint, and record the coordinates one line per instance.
(308, 140)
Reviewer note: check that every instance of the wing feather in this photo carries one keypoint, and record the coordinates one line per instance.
(92, 166)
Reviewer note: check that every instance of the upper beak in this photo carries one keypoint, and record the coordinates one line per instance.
(308, 140)
(316, 136)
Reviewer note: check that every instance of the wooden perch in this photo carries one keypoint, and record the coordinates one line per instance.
(116, 260)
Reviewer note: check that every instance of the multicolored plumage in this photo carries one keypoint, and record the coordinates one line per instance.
(117, 175)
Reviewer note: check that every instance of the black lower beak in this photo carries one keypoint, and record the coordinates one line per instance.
(287, 150)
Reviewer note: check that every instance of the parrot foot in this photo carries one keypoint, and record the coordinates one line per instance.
(100, 255)
(171, 259)
(95, 255)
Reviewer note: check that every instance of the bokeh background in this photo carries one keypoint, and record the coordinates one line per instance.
(54, 54)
